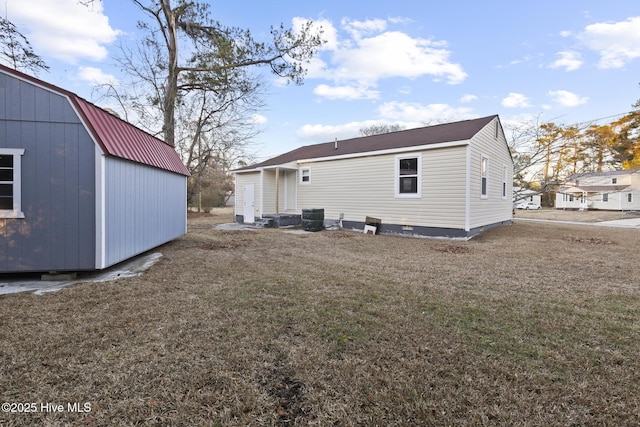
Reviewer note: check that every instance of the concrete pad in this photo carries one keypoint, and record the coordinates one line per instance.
(130, 268)
(236, 226)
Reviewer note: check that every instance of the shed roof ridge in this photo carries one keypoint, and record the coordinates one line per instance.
(151, 150)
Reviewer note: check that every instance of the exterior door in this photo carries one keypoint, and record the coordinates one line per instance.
(248, 204)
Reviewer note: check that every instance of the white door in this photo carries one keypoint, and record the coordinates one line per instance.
(248, 203)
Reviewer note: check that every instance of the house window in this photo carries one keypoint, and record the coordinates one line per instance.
(484, 173)
(409, 176)
(629, 198)
(305, 176)
(571, 197)
(10, 183)
(605, 197)
(614, 180)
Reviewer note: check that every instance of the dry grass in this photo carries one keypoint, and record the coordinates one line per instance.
(532, 324)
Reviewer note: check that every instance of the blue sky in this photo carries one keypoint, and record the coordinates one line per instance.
(398, 62)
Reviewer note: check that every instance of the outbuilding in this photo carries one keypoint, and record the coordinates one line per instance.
(448, 180)
(80, 189)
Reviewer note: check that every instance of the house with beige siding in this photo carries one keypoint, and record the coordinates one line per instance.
(612, 190)
(448, 180)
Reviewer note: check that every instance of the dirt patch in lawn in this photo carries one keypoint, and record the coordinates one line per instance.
(528, 324)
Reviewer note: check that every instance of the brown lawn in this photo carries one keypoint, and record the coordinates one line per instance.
(531, 324)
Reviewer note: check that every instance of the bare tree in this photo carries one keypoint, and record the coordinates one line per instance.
(16, 51)
(380, 128)
(215, 55)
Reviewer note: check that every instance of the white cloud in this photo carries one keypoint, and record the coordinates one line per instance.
(415, 112)
(566, 98)
(617, 42)
(364, 52)
(358, 29)
(406, 115)
(395, 54)
(468, 98)
(324, 133)
(327, 31)
(64, 29)
(345, 92)
(515, 100)
(258, 119)
(568, 60)
(96, 76)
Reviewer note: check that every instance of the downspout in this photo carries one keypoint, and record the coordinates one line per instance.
(467, 203)
(261, 207)
(277, 190)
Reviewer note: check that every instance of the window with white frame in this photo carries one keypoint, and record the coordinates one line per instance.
(605, 197)
(305, 176)
(484, 173)
(409, 175)
(10, 183)
(504, 183)
(629, 198)
(614, 180)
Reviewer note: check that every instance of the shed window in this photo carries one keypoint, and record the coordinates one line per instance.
(484, 173)
(408, 176)
(10, 183)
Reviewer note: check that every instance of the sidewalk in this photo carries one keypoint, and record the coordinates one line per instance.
(618, 223)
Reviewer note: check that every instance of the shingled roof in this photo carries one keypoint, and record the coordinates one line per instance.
(446, 132)
(115, 136)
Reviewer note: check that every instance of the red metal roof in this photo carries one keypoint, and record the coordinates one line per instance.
(115, 136)
(121, 139)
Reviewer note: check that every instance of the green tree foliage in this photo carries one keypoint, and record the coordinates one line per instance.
(16, 51)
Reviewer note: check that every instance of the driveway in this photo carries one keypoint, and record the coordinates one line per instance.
(618, 223)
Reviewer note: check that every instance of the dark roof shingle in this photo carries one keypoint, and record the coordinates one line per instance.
(446, 132)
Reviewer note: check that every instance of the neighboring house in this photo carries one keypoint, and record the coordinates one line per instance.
(80, 189)
(450, 180)
(525, 195)
(615, 190)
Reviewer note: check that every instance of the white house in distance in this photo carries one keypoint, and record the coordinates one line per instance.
(614, 190)
(525, 195)
(447, 180)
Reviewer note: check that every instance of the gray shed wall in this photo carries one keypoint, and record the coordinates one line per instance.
(58, 182)
(136, 215)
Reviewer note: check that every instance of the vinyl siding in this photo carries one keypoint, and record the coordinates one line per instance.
(365, 186)
(136, 215)
(494, 208)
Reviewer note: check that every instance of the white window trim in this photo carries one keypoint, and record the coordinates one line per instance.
(16, 212)
(505, 187)
(482, 159)
(308, 169)
(398, 194)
